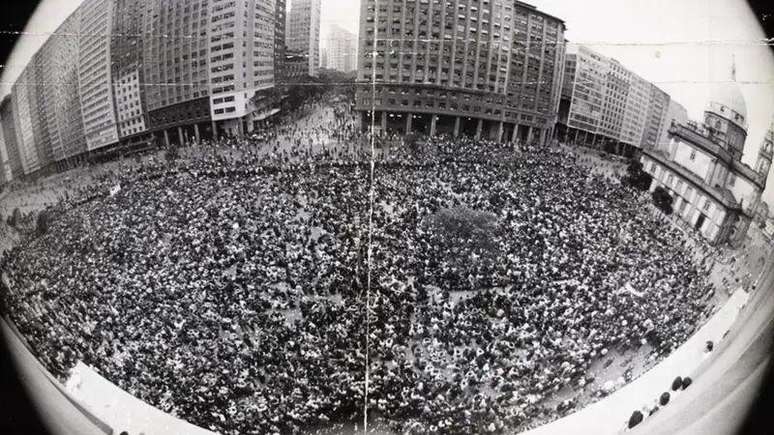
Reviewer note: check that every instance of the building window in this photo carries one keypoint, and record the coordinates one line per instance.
(693, 155)
(707, 205)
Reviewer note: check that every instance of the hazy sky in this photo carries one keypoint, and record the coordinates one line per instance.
(681, 45)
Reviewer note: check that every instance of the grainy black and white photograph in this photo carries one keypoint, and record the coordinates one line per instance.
(386, 217)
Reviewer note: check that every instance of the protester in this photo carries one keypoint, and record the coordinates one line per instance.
(228, 288)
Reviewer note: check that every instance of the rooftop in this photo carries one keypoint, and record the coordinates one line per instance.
(538, 11)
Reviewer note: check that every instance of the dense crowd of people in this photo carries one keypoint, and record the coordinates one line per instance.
(229, 287)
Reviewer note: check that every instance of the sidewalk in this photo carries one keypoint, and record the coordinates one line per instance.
(60, 413)
(122, 410)
(610, 415)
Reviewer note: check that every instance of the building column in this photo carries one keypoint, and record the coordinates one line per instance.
(456, 126)
(479, 127)
(408, 122)
(214, 130)
(166, 138)
(196, 133)
(515, 134)
(543, 136)
(384, 122)
(711, 172)
(180, 134)
(530, 134)
(433, 121)
(500, 132)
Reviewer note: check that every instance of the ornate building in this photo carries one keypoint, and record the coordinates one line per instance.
(714, 192)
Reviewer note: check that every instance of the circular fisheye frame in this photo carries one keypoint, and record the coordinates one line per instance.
(386, 216)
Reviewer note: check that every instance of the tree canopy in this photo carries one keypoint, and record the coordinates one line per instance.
(663, 200)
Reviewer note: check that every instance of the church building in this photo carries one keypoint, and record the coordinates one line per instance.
(701, 167)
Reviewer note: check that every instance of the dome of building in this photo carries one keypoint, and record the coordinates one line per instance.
(730, 95)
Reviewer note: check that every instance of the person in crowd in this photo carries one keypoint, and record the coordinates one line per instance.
(229, 287)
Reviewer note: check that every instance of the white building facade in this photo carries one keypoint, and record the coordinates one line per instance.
(607, 106)
(96, 87)
(241, 62)
(131, 119)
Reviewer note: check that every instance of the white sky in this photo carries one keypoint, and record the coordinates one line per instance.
(681, 45)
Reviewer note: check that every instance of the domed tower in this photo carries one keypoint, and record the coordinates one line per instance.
(726, 116)
(765, 154)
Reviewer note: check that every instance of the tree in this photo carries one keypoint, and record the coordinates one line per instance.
(42, 224)
(465, 228)
(663, 200)
(15, 218)
(637, 177)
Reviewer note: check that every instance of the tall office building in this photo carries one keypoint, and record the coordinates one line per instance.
(204, 65)
(126, 69)
(280, 19)
(123, 73)
(23, 92)
(61, 100)
(341, 46)
(176, 64)
(657, 121)
(608, 106)
(487, 69)
(8, 121)
(303, 32)
(94, 75)
(5, 165)
(239, 100)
